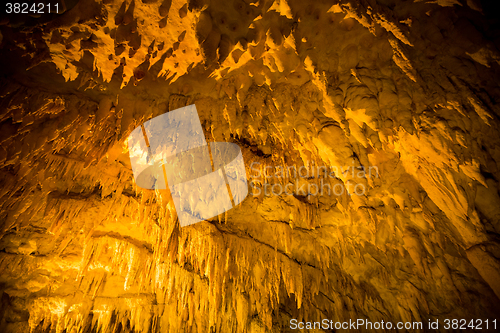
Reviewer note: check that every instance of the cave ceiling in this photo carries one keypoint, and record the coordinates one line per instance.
(408, 90)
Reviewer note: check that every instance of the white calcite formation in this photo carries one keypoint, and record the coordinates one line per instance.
(409, 88)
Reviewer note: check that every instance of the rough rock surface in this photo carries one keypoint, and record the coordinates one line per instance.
(410, 87)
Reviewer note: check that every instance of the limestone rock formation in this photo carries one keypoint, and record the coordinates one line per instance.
(408, 88)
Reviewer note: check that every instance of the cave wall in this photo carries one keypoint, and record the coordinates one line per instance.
(409, 87)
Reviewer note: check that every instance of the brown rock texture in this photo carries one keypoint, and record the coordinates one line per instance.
(410, 88)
